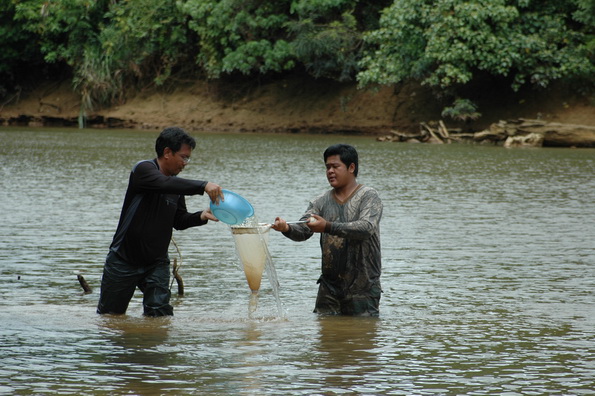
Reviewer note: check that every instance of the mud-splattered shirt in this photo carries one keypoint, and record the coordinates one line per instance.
(351, 258)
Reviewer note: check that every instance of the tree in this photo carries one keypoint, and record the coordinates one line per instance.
(20, 53)
(148, 39)
(263, 37)
(446, 43)
(243, 36)
(109, 45)
(325, 38)
(68, 33)
(64, 28)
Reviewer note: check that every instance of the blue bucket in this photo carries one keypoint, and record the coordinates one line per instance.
(234, 210)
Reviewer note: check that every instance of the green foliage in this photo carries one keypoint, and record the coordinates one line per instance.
(97, 81)
(326, 35)
(585, 14)
(63, 27)
(19, 52)
(273, 36)
(444, 43)
(462, 110)
(147, 39)
(109, 44)
(328, 49)
(239, 35)
(68, 32)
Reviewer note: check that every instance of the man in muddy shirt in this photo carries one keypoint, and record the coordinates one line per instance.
(348, 220)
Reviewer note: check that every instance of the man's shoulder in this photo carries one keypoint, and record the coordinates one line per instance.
(145, 165)
(366, 189)
(366, 193)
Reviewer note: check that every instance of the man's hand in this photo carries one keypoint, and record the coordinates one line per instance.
(317, 223)
(215, 192)
(208, 215)
(280, 225)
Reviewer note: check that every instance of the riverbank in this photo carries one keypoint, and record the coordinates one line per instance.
(290, 104)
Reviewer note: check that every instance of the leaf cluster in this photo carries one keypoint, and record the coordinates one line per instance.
(20, 54)
(445, 44)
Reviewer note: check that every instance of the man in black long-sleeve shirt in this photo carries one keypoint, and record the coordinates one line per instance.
(154, 204)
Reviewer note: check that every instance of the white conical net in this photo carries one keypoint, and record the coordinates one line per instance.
(252, 248)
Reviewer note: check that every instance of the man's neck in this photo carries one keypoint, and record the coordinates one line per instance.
(161, 167)
(345, 192)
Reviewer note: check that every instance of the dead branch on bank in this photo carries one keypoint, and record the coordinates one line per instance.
(513, 133)
(443, 131)
(538, 133)
(429, 132)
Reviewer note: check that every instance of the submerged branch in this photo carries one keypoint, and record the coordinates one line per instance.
(176, 269)
(84, 284)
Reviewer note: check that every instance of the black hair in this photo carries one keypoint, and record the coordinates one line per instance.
(173, 137)
(347, 154)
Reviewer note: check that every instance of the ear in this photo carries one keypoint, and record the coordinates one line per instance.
(167, 152)
(351, 168)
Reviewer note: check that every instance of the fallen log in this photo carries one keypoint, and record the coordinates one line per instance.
(547, 134)
(512, 133)
(530, 140)
(396, 136)
(444, 132)
(433, 137)
(427, 134)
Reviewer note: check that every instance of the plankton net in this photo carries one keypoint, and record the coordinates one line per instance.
(252, 248)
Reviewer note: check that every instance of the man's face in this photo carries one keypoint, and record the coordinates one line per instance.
(176, 162)
(337, 173)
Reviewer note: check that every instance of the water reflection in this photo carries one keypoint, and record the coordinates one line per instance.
(348, 352)
(250, 351)
(134, 354)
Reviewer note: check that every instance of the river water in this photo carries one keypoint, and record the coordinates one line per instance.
(488, 272)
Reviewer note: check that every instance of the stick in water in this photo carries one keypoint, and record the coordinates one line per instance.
(178, 278)
(84, 284)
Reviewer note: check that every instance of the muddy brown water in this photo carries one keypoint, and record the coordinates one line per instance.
(488, 272)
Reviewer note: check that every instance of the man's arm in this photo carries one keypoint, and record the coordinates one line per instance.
(148, 177)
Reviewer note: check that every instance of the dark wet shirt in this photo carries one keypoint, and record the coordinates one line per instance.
(351, 258)
(154, 204)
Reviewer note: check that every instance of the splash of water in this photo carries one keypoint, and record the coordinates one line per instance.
(272, 274)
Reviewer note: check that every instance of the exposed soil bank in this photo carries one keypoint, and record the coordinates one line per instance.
(291, 104)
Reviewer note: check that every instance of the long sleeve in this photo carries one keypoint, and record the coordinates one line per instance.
(146, 177)
(154, 204)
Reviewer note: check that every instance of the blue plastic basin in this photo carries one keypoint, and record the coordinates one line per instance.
(234, 210)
